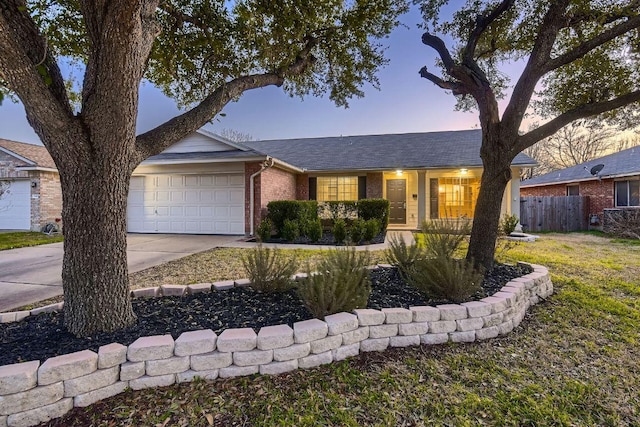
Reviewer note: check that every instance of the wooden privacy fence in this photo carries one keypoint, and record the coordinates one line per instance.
(554, 213)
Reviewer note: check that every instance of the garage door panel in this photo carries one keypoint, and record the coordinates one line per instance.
(195, 204)
(15, 206)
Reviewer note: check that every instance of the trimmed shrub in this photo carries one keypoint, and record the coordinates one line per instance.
(339, 209)
(341, 283)
(339, 230)
(371, 229)
(290, 230)
(314, 230)
(269, 270)
(263, 233)
(293, 210)
(442, 237)
(403, 256)
(356, 231)
(508, 224)
(444, 278)
(374, 208)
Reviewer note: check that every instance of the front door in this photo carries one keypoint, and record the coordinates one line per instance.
(397, 196)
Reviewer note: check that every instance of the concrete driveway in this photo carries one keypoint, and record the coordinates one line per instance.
(32, 274)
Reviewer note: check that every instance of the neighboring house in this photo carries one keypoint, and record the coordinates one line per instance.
(204, 184)
(31, 195)
(616, 185)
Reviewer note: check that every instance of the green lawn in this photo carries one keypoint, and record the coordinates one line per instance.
(21, 239)
(572, 362)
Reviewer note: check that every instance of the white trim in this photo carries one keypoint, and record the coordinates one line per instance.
(36, 168)
(17, 156)
(622, 175)
(189, 161)
(222, 139)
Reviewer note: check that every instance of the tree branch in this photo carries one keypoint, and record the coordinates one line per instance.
(588, 110)
(454, 87)
(438, 45)
(482, 23)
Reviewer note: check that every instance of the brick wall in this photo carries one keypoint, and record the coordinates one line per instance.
(8, 164)
(374, 185)
(249, 169)
(50, 199)
(277, 184)
(302, 186)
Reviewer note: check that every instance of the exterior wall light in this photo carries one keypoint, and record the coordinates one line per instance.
(399, 172)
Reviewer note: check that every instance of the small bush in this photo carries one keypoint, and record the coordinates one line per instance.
(341, 284)
(290, 230)
(293, 210)
(339, 209)
(263, 233)
(371, 229)
(339, 230)
(442, 237)
(269, 270)
(444, 278)
(508, 224)
(356, 231)
(624, 223)
(314, 230)
(403, 256)
(374, 209)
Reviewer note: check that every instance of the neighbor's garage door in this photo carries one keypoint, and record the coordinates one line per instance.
(15, 205)
(190, 204)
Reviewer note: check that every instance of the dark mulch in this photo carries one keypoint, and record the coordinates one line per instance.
(43, 336)
(326, 239)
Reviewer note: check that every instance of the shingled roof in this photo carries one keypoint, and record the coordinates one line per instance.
(453, 149)
(36, 154)
(622, 163)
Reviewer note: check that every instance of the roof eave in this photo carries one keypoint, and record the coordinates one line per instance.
(17, 156)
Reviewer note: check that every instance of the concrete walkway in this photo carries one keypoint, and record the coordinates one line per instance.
(29, 275)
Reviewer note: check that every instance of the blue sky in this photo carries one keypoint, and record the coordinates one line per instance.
(404, 103)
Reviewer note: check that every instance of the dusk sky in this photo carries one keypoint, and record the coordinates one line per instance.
(405, 103)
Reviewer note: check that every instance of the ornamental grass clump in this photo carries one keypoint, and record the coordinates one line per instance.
(403, 256)
(443, 236)
(444, 278)
(269, 270)
(340, 284)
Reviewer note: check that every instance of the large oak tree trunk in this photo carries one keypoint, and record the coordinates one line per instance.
(94, 275)
(495, 177)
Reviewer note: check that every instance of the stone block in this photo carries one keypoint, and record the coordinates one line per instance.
(94, 396)
(18, 377)
(468, 336)
(442, 326)
(173, 290)
(30, 399)
(3, 421)
(151, 382)
(253, 357)
(325, 344)
(98, 379)
(434, 339)
(172, 365)
(508, 296)
(151, 348)
(20, 315)
(199, 288)
(452, 311)
(383, 331)
(278, 336)
(276, 368)
(493, 319)
(67, 366)
(516, 284)
(477, 308)
(470, 324)
(397, 315)
(309, 330)
(190, 375)
(195, 342)
(374, 344)
(385, 266)
(146, 292)
(505, 328)
(357, 335)
(40, 415)
(415, 328)
(369, 316)
(242, 283)
(497, 304)
(240, 339)
(295, 351)
(486, 333)
(238, 371)
(315, 360)
(131, 370)
(404, 341)
(223, 285)
(209, 361)
(425, 314)
(111, 355)
(341, 322)
(7, 318)
(345, 351)
(47, 309)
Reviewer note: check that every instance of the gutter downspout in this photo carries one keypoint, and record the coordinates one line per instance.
(267, 164)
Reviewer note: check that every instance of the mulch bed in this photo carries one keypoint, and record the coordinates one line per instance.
(327, 239)
(44, 336)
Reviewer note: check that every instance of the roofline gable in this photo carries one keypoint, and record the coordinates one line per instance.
(17, 156)
(216, 137)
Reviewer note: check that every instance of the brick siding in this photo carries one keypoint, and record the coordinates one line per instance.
(374, 185)
(302, 186)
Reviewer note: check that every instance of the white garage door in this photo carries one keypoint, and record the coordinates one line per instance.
(190, 204)
(15, 205)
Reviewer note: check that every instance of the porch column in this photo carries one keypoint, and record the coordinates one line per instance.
(422, 197)
(515, 195)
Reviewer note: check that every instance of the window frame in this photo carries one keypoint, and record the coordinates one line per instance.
(339, 185)
(627, 184)
(573, 186)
